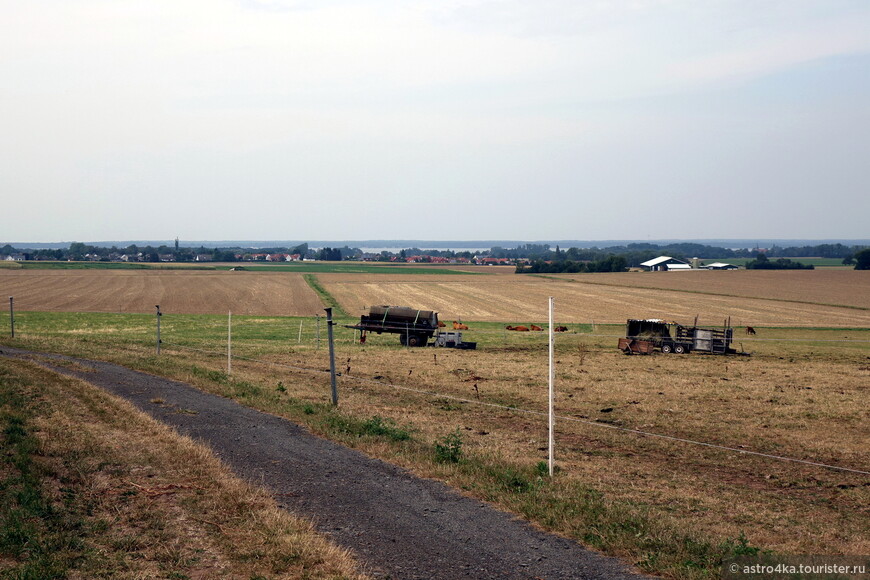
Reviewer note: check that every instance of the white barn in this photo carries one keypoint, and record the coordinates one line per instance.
(666, 263)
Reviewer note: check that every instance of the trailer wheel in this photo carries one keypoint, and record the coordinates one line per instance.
(679, 348)
(414, 340)
(666, 348)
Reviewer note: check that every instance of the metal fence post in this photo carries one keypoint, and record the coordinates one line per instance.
(12, 317)
(329, 325)
(159, 314)
(230, 343)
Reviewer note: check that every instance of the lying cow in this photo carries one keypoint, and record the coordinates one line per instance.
(459, 326)
(517, 328)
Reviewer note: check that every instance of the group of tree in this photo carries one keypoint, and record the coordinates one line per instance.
(762, 262)
(611, 263)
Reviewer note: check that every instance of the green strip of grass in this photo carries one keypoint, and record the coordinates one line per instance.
(302, 267)
(325, 296)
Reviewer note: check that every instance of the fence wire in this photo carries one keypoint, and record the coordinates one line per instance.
(640, 432)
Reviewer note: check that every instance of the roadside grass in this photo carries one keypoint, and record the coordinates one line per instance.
(92, 488)
(669, 508)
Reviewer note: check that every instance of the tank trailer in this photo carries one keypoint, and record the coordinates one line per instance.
(414, 327)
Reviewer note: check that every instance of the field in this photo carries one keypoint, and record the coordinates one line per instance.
(175, 290)
(673, 507)
(808, 298)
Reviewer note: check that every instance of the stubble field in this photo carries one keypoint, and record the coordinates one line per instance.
(175, 290)
(810, 299)
(803, 395)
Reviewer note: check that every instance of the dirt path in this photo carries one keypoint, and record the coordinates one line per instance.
(400, 526)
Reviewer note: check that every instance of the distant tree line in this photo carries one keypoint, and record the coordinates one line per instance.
(762, 262)
(611, 263)
(537, 258)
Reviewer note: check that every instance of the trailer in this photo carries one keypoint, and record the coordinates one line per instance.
(414, 327)
(645, 336)
(453, 339)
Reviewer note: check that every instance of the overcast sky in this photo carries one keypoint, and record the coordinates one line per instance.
(441, 119)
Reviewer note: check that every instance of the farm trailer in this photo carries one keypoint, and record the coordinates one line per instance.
(414, 327)
(644, 336)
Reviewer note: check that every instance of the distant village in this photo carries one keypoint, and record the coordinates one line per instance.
(527, 258)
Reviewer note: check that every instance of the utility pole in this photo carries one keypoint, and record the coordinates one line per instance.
(329, 325)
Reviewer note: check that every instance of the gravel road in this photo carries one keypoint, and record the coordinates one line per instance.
(400, 526)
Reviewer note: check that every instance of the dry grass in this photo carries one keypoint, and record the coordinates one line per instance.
(765, 301)
(810, 408)
(187, 291)
(153, 514)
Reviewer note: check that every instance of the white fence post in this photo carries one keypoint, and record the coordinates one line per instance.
(552, 377)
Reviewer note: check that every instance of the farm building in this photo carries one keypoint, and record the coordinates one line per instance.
(666, 263)
(720, 266)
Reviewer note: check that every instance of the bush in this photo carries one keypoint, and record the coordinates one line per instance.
(449, 448)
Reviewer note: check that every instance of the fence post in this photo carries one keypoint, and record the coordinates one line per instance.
(551, 443)
(329, 324)
(230, 343)
(11, 317)
(159, 314)
(317, 335)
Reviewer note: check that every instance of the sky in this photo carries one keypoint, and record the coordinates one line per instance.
(437, 120)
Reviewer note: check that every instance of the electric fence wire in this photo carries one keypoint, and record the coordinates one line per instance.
(543, 414)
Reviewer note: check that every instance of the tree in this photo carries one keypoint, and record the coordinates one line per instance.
(77, 251)
(862, 259)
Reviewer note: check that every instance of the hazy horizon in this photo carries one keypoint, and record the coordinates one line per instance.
(441, 244)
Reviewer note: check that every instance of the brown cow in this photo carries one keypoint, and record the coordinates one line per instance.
(536, 328)
(459, 326)
(560, 329)
(517, 328)
(441, 324)
(750, 330)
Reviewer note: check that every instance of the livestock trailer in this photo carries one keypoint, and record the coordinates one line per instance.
(414, 327)
(644, 336)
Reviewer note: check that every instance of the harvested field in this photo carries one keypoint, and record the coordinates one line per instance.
(845, 287)
(178, 291)
(763, 300)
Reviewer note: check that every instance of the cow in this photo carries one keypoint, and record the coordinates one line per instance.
(560, 329)
(517, 328)
(750, 330)
(441, 324)
(459, 326)
(536, 328)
